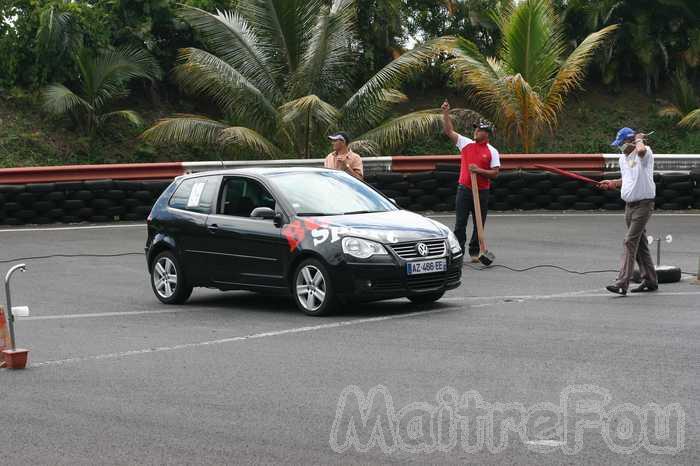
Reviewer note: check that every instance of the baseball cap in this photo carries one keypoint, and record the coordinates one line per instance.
(484, 125)
(624, 133)
(341, 136)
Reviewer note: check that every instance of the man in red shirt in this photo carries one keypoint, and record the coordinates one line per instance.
(477, 156)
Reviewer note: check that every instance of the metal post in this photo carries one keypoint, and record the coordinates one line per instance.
(658, 251)
(10, 315)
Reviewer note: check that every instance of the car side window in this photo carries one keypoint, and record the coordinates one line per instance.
(240, 196)
(195, 194)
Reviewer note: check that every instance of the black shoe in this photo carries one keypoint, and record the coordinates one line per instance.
(644, 288)
(616, 289)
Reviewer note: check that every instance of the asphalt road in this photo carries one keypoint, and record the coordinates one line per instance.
(118, 378)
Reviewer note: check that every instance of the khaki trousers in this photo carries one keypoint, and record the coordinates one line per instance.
(637, 214)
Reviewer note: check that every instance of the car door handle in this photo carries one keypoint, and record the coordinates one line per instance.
(213, 228)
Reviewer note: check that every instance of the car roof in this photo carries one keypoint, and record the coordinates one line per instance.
(257, 171)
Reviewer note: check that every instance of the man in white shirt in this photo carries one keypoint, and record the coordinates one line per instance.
(638, 191)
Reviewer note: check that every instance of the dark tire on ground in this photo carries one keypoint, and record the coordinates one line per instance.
(128, 185)
(98, 185)
(99, 219)
(388, 178)
(73, 204)
(427, 185)
(584, 206)
(162, 269)
(514, 200)
(441, 207)
(556, 206)
(428, 200)
(41, 187)
(85, 212)
(528, 206)
(401, 186)
(101, 204)
(69, 185)
(684, 201)
(43, 220)
(447, 177)
(146, 196)
(416, 207)
(668, 274)
(416, 178)
(444, 192)
(82, 195)
(391, 193)
(115, 211)
(669, 194)
(26, 198)
(12, 221)
(131, 203)
(70, 219)
(415, 192)
(528, 193)
(310, 301)
(131, 217)
(115, 194)
(43, 206)
(11, 188)
(426, 298)
(448, 167)
(613, 206)
(142, 211)
(670, 206)
(570, 186)
(55, 196)
(543, 200)
(56, 213)
(669, 178)
(682, 187)
(596, 199)
(568, 200)
(500, 206)
(402, 201)
(11, 206)
(25, 214)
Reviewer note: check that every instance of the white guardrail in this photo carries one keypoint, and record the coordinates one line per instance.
(371, 164)
(662, 162)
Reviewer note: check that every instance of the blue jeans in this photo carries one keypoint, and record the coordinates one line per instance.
(464, 206)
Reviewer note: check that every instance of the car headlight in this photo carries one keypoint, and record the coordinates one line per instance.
(362, 248)
(453, 243)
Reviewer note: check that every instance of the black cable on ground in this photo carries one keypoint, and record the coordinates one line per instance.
(17, 259)
(549, 266)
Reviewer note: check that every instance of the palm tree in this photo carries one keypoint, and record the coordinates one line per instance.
(281, 74)
(102, 79)
(522, 88)
(685, 100)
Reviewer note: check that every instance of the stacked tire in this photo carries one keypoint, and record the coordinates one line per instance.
(695, 180)
(674, 191)
(79, 201)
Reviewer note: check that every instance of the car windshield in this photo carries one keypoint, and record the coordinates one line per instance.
(329, 193)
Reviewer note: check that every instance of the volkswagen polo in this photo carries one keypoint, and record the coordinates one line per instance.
(320, 236)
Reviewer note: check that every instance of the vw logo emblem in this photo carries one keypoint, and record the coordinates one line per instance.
(422, 249)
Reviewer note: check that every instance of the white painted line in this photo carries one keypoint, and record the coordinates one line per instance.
(90, 227)
(289, 331)
(110, 314)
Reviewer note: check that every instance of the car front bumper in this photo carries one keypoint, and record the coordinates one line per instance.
(367, 281)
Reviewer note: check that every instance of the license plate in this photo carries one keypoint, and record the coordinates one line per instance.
(434, 266)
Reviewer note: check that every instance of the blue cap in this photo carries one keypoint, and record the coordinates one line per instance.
(624, 133)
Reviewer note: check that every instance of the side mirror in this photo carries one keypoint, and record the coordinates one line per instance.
(264, 213)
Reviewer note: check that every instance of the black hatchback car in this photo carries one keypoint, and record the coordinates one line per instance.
(320, 236)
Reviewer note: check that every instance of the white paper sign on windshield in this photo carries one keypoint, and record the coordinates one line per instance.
(195, 195)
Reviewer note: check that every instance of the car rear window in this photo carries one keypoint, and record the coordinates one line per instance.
(195, 194)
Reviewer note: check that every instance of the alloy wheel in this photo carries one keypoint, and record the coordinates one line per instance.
(311, 288)
(165, 277)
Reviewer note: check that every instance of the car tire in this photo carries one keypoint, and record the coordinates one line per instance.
(163, 267)
(426, 298)
(306, 275)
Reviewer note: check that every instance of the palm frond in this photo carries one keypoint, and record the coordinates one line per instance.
(203, 73)
(309, 107)
(365, 147)
(58, 99)
(691, 120)
(55, 30)
(229, 36)
(248, 138)
(128, 115)
(670, 111)
(404, 129)
(572, 72)
(327, 55)
(364, 101)
(532, 42)
(280, 26)
(185, 129)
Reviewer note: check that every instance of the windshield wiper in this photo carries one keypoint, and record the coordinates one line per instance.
(314, 214)
(362, 212)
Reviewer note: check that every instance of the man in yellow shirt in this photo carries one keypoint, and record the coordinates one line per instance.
(342, 158)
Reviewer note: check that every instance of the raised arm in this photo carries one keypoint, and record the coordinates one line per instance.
(447, 122)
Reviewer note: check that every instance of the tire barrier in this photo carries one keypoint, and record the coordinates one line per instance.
(129, 200)
(78, 201)
(436, 190)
